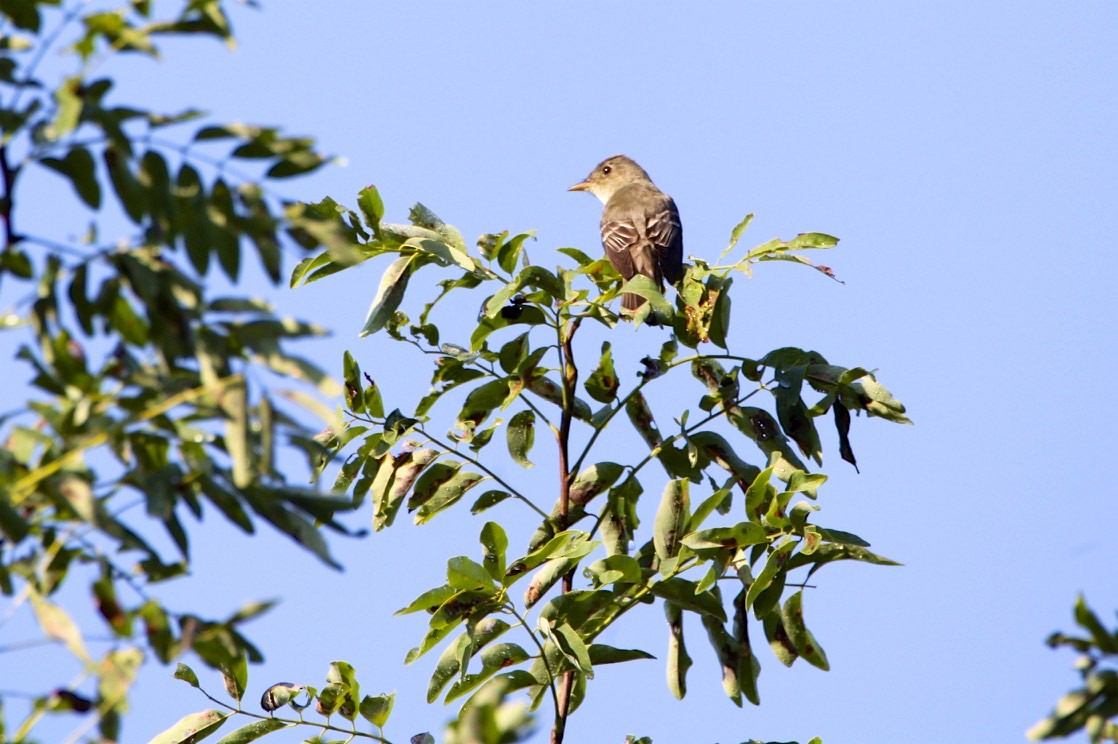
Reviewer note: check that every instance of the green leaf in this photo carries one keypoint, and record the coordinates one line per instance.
(529, 276)
(192, 728)
(736, 233)
(801, 638)
(603, 654)
(430, 600)
(681, 593)
(877, 401)
(186, 674)
(467, 575)
(640, 415)
(779, 642)
(593, 481)
(613, 569)
(69, 99)
(128, 189)
(389, 295)
(481, 402)
(255, 730)
(671, 518)
(58, 625)
(740, 535)
(571, 646)
(720, 314)
(812, 240)
(842, 426)
(547, 576)
(80, 168)
(489, 499)
(447, 495)
(678, 660)
(235, 676)
(394, 480)
(493, 660)
(376, 708)
(828, 552)
(602, 384)
(495, 543)
(644, 287)
(568, 544)
(774, 566)
(1090, 622)
(758, 494)
(225, 230)
(371, 206)
(550, 391)
(521, 434)
(513, 353)
(793, 414)
(728, 651)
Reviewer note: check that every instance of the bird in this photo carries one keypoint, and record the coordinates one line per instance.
(641, 230)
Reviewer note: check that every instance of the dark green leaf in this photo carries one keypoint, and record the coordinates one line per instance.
(488, 499)
(681, 592)
(521, 434)
(842, 425)
(602, 384)
(128, 190)
(603, 654)
(372, 207)
(80, 168)
(802, 639)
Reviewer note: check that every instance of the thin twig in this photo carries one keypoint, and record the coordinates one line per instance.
(478, 464)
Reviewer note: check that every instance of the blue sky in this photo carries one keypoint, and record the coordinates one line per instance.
(966, 154)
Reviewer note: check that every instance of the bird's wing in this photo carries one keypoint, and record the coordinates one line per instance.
(665, 232)
(619, 236)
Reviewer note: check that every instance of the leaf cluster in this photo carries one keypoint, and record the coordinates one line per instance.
(725, 565)
(151, 401)
(1092, 708)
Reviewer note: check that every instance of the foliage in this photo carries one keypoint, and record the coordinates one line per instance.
(699, 555)
(1093, 707)
(149, 392)
(151, 400)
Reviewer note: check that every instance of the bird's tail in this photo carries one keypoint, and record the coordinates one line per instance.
(631, 302)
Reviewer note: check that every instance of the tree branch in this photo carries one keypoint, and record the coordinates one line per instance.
(566, 475)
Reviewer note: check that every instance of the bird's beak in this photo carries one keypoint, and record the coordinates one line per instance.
(582, 186)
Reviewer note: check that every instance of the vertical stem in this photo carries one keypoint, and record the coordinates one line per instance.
(8, 179)
(566, 476)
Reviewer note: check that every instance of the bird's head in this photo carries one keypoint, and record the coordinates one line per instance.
(610, 175)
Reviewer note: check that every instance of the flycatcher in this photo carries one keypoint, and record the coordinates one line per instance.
(641, 231)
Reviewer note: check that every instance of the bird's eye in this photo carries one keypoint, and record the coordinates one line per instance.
(606, 170)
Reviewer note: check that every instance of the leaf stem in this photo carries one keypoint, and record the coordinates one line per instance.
(353, 732)
(478, 464)
(543, 657)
